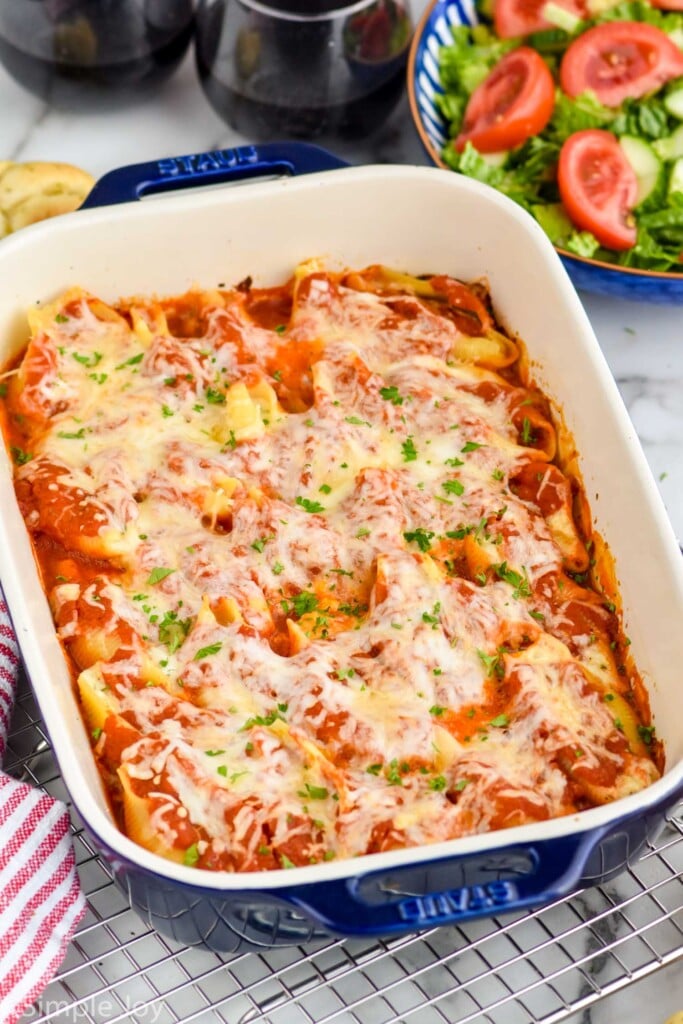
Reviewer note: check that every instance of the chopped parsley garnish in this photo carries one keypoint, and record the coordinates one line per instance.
(278, 568)
(61, 319)
(500, 722)
(205, 652)
(453, 487)
(158, 574)
(357, 422)
(355, 609)
(309, 506)
(438, 783)
(528, 436)
(191, 855)
(304, 602)
(277, 375)
(286, 862)
(646, 733)
(374, 769)
(96, 733)
(166, 411)
(522, 587)
(78, 435)
(89, 361)
(460, 533)
(433, 617)
(610, 606)
(437, 710)
(394, 771)
(346, 673)
(222, 770)
(214, 397)
(363, 532)
(420, 537)
(213, 753)
(454, 462)
(460, 785)
(231, 442)
(272, 716)
(470, 446)
(493, 663)
(314, 792)
(539, 616)
(258, 545)
(20, 456)
(280, 329)
(498, 474)
(133, 361)
(392, 395)
(173, 631)
(325, 489)
(409, 450)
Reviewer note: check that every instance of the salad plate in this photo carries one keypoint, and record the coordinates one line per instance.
(590, 271)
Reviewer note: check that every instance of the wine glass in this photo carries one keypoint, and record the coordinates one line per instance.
(80, 53)
(303, 68)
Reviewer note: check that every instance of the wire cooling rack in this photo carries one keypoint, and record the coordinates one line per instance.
(527, 968)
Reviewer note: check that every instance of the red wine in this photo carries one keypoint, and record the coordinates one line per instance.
(263, 118)
(273, 77)
(94, 55)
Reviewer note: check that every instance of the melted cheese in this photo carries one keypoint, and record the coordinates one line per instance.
(323, 632)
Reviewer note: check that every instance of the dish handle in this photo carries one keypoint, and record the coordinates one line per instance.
(512, 879)
(126, 184)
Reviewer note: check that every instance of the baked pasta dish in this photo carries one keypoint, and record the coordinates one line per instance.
(320, 560)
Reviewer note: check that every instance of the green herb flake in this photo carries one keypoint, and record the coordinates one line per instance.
(191, 855)
(438, 783)
(470, 446)
(325, 489)
(20, 456)
(205, 652)
(420, 537)
(436, 710)
(453, 487)
(214, 397)
(500, 722)
(61, 319)
(278, 568)
(258, 545)
(409, 450)
(309, 506)
(454, 462)
(158, 574)
(314, 792)
(77, 435)
(391, 394)
(133, 361)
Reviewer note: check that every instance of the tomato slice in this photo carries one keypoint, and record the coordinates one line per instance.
(598, 187)
(522, 17)
(620, 59)
(514, 102)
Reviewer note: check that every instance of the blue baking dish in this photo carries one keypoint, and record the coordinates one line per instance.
(419, 219)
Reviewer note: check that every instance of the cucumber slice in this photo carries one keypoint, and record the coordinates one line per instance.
(560, 17)
(674, 103)
(645, 163)
(676, 179)
(671, 147)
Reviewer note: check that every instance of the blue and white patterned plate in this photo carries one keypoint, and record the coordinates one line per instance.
(424, 83)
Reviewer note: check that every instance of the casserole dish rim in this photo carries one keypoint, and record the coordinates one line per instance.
(19, 597)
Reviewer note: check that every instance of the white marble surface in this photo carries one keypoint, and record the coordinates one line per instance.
(643, 344)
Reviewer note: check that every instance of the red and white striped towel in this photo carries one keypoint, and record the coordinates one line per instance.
(40, 898)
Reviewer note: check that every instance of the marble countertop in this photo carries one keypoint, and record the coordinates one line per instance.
(643, 344)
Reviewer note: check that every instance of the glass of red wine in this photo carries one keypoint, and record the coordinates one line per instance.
(303, 68)
(80, 53)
